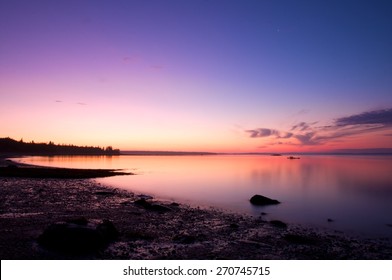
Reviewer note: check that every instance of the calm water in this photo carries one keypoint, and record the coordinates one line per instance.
(354, 191)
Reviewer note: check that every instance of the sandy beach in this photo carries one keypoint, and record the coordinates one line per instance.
(150, 229)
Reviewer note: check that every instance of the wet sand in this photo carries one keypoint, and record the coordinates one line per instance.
(171, 231)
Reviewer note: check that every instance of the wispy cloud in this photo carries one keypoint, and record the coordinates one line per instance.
(308, 134)
(77, 103)
(302, 126)
(261, 132)
(265, 132)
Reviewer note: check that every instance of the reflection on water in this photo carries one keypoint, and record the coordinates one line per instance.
(354, 191)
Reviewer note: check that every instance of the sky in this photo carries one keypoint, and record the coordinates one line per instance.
(198, 75)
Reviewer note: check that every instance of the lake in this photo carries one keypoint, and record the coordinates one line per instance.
(353, 191)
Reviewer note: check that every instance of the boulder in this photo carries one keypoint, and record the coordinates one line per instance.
(262, 200)
(77, 236)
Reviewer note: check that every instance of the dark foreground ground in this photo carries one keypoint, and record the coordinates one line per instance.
(151, 229)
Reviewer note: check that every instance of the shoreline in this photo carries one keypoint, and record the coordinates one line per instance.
(30, 206)
(10, 168)
(154, 229)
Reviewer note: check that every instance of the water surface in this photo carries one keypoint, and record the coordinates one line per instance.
(354, 191)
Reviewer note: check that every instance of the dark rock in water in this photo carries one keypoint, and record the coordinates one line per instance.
(77, 237)
(330, 220)
(278, 224)
(291, 157)
(262, 200)
(389, 225)
(263, 213)
(12, 166)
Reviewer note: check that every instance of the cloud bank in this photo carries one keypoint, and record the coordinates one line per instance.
(308, 134)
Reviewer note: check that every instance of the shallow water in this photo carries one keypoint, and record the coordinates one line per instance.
(353, 191)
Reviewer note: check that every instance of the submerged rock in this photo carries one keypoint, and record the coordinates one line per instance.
(78, 236)
(263, 200)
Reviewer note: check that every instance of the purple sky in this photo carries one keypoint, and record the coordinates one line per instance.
(198, 75)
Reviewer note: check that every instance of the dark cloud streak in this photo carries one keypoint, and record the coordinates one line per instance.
(383, 117)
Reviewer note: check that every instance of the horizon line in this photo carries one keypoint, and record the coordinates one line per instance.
(366, 151)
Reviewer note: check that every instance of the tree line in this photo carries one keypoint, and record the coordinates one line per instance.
(11, 146)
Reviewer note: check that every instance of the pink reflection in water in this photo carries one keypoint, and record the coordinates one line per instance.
(354, 191)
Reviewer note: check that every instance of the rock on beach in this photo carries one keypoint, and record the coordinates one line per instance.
(263, 200)
(78, 236)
